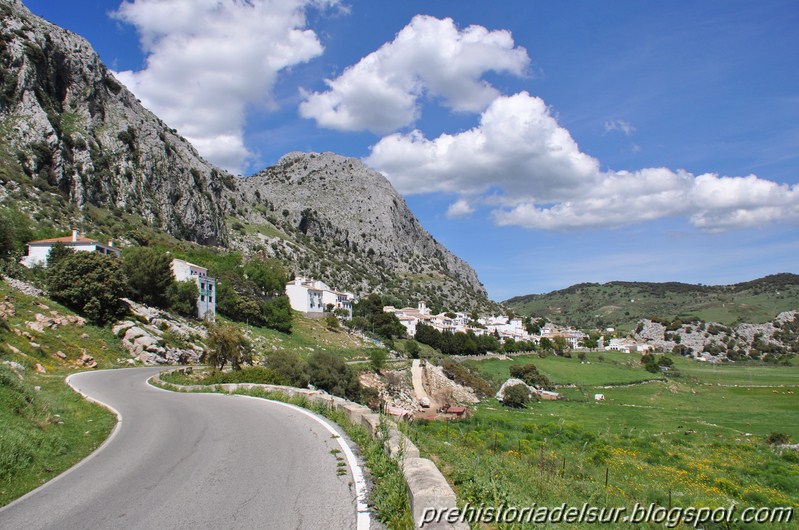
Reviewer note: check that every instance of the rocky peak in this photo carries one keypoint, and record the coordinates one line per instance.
(331, 197)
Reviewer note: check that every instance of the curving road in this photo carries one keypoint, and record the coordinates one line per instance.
(196, 461)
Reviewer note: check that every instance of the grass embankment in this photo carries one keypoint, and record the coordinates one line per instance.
(689, 441)
(45, 431)
(388, 495)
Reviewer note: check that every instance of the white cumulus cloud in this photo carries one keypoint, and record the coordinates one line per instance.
(460, 208)
(430, 57)
(519, 159)
(208, 60)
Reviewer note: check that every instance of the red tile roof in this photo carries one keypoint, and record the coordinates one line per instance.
(66, 239)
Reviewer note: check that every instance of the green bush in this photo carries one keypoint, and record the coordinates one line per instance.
(149, 275)
(290, 367)
(330, 373)
(516, 396)
(90, 283)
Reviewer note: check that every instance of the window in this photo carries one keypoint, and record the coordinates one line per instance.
(210, 299)
(202, 298)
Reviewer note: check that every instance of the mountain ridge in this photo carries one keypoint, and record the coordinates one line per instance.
(622, 303)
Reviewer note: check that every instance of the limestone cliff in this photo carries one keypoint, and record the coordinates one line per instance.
(72, 126)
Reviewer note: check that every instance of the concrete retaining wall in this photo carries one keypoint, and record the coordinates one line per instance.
(427, 487)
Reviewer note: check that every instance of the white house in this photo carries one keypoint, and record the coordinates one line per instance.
(39, 251)
(314, 296)
(206, 302)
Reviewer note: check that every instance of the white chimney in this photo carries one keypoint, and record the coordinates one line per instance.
(111, 243)
(75, 233)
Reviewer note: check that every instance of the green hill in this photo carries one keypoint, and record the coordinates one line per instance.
(622, 304)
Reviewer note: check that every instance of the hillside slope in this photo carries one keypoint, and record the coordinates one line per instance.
(622, 304)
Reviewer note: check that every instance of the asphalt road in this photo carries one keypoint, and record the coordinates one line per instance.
(195, 461)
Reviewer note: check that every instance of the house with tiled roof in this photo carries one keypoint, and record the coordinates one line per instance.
(38, 251)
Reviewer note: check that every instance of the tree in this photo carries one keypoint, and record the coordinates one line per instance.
(377, 358)
(516, 396)
(15, 231)
(591, 341)
(387, 325)
(183, 298)
(227, 344)
(560, 344)
(268, 275)
(90, 283)
(277, 314)
(149, 274)
(545, 344)
(58, 251)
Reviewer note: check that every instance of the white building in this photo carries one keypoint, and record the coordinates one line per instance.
(206, 301)
(313, 296)
(39, 251)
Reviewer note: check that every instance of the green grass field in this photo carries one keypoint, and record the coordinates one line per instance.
(695, 440)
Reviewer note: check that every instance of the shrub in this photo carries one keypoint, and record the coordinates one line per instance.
(464, 376)
(290, 367)
(330, 373)
(377, 358)
(516, 396)
(777, 438)
(90, 283)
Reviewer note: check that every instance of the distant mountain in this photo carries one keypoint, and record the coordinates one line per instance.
(77, 148)
(623, 304)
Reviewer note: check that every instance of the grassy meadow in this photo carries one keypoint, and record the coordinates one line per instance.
(693, 440)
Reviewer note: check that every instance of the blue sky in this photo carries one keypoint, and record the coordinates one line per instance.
(547, 143)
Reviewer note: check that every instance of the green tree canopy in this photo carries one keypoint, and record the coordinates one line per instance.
(90, 283)
(183, 298)
(149, 274)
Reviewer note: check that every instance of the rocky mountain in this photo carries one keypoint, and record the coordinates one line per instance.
(72, 138)
(334, 218)
(75, 130)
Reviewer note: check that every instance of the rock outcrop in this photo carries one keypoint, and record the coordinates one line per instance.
(711, 341)
(159, 338)
(74, 128)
